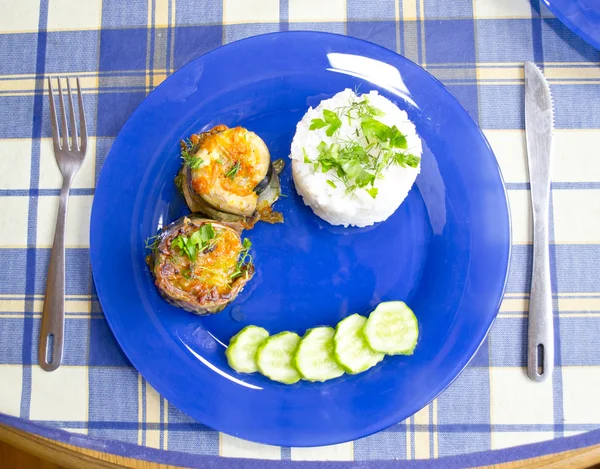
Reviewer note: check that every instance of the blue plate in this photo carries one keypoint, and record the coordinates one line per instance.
(445, 251)
(580, 16)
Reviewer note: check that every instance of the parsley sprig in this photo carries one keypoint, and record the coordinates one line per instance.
(330, 120)
(198, 242)
(361, 160)
(244, 261)
(188, 152)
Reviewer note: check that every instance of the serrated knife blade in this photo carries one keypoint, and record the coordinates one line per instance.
(539, 123)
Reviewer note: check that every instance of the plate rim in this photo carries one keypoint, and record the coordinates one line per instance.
(576, 29)
(461, 365)
(176, 457)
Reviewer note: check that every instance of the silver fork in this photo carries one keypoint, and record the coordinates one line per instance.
(69, 154)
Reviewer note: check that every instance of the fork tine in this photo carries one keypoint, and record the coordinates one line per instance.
(53, 118)
(75, 140)
(63, 120)
(82, 124)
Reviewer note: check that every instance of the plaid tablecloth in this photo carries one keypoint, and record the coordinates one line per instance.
(121, 50)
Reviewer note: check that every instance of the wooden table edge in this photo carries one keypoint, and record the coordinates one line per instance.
(75, 457)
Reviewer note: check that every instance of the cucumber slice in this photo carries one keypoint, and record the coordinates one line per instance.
(351, 349)
(242, 348)
(392, 329)
(314, 356)
(275, 356)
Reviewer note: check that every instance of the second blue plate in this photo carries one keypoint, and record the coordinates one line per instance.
(580, 16)
(445, 251)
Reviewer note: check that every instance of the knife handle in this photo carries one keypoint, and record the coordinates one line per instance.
(540, 344)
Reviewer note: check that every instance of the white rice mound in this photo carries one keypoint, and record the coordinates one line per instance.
(333, 204)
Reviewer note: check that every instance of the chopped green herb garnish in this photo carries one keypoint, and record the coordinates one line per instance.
(330, 120)
(388, 137)
(317, 124)
(203, 235)
(232, 173)
(192, 161)
(373, 191)
(199, 241)
(244, 260)
(361, 160)
(152, 242)
(188, 154)
(181, 242)
(359, 108)
(306, 158)
(350, 164)
(407, 159)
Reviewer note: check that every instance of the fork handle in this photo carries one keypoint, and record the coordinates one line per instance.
(53, 315)
(540, 343)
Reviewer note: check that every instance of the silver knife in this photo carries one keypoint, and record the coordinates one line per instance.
(539, 120)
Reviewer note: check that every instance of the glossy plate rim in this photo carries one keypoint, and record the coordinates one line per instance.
(587, 31)
(459, 365)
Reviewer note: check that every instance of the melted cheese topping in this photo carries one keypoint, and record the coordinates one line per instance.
(209, 275)
(221, 150)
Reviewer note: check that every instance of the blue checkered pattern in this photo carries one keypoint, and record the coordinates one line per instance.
(122, 50)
